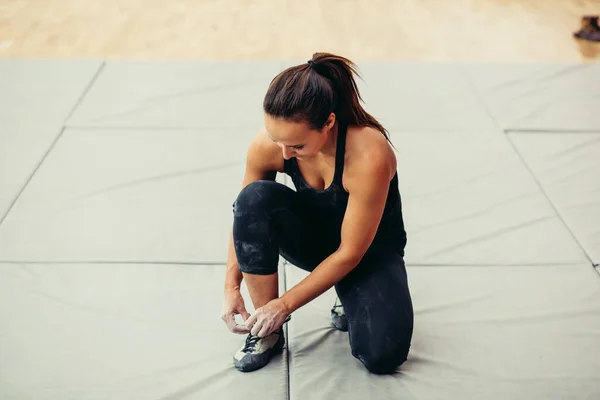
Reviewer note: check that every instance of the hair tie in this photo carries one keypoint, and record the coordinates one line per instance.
(311, 63)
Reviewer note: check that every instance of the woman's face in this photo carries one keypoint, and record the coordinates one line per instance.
(298, 139)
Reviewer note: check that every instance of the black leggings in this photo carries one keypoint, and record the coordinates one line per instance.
(269, 220)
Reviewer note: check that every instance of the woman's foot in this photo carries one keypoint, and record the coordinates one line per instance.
(257, 351)
(338, 317)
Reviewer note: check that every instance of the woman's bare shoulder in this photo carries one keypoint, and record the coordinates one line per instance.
(365, 146)
(370, 165)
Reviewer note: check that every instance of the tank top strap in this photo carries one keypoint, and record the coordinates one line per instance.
(340, 153)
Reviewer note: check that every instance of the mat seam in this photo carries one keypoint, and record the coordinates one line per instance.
(53, 144)
(481, 98)
(85, 92)
(245, 127)
(555, 131)
(152, 128)
(37, 167)
(507, 130)
(567, 264)
(541, 188)
(505, 133)
(100, 262)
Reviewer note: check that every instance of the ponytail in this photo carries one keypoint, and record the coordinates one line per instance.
(310, 92)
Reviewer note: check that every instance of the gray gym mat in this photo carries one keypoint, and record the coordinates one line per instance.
(44, 91)
(130, 195)
(141, 182)
(123, 331)
(568, 168)
(35, 98)
(539, 97)
(22, 147)
(480, 333)
(469, 199)
(204, 94)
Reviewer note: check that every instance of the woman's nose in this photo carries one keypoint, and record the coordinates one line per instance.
(287, 152)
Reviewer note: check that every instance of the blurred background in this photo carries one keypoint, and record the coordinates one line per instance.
(458, 30)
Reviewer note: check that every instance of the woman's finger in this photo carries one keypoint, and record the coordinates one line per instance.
(251, 321)
(241, 329)
(244, 314)
(256, 327)
(230, 321)
(265, 330)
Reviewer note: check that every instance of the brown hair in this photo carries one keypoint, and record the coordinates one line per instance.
(310, 92)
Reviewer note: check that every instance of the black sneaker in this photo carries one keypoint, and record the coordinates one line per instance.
(338, 317)
(257, 351)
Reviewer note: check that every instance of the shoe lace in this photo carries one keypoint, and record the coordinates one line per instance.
(251, 341)
(337, 305)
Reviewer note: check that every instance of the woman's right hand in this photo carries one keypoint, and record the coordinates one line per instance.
(233, 304)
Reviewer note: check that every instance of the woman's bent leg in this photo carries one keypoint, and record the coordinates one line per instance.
(269, 220)
(378, 307)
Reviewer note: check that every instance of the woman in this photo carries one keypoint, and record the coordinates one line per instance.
(343, 223)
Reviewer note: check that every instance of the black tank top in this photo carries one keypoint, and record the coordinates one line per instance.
(329, 205)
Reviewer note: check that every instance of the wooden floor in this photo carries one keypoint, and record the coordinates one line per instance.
(480, 30)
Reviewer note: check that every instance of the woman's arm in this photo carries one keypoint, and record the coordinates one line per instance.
(233, 275)
(263, 161)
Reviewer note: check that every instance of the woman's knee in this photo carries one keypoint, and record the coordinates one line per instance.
(380, 360)
(258, 196)
(382, 348)
(252, 236)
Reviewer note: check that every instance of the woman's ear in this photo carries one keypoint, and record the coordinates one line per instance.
(330, 121)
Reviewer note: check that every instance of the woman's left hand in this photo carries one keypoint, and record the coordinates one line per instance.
(268, 318)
